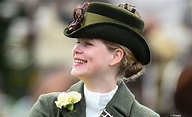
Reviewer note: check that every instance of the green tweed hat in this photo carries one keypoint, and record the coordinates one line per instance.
(120, 24)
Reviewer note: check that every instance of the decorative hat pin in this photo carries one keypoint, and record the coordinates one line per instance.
(78, 15)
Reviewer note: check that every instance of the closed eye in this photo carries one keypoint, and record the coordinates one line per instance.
(87, 43)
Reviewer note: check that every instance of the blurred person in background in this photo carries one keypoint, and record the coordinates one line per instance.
(183, 92)
(113, 50)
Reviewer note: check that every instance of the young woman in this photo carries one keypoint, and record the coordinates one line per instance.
(109, 49)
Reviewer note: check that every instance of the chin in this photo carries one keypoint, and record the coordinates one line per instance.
(76, 73)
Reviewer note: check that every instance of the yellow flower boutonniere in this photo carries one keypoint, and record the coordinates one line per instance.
(67, 100)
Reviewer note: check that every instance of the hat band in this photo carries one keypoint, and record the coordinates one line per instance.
(92, 18)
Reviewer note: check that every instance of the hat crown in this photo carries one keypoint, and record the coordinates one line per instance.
(120, 13)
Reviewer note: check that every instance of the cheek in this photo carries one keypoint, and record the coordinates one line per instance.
(101, 59)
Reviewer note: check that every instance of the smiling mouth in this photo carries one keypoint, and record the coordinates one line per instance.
(80, 61)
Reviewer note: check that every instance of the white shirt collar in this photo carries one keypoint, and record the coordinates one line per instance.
(96, 102)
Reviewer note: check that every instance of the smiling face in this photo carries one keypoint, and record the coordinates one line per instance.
(91, 59)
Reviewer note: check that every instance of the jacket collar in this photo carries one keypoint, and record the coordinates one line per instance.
(121, 103)
(119, 106)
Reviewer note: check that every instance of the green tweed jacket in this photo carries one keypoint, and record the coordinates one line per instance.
(123, 104)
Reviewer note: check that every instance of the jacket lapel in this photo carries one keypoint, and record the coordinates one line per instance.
(121, 103)
(119, 106)
(80, 106)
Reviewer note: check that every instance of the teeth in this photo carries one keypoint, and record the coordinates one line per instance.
(80, 61)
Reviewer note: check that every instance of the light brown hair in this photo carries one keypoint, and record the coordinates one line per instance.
(129, 67)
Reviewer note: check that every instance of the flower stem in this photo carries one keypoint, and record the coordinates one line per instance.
(70, 107)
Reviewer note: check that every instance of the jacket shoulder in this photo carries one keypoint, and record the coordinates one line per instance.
(45, 106)
(139, 110)
(76, 87)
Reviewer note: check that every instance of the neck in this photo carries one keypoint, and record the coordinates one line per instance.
(100, 84)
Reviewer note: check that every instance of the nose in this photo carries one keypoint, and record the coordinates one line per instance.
(77, 49)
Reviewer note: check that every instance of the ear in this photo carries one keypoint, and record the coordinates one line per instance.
(117, 57)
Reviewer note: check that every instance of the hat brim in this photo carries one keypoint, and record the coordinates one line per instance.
(118, 34)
